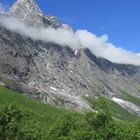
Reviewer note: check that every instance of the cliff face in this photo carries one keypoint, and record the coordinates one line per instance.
(57, 74)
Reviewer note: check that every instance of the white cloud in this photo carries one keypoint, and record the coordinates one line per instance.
(100, 46)
(60, 36)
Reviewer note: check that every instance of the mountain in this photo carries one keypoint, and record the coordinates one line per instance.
(29, 12)
(57, 74)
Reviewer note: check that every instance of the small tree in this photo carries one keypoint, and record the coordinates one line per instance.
(62, 126)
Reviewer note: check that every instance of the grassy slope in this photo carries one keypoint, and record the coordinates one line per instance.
(47, 113)
(42, 111)
(116, 111)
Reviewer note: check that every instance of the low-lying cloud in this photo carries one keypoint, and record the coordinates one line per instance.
(100, 46)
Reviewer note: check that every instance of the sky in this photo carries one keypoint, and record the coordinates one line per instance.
(119, 19)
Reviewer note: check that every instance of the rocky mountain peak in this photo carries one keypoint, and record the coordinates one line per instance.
(22, 8)
(29, 12)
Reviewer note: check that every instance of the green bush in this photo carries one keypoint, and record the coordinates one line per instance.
(18, 124)
(10, 119)
(30, 120)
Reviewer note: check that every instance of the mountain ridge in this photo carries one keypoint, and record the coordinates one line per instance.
(29, 12)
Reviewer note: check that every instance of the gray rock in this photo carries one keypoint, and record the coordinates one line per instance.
(29, 12)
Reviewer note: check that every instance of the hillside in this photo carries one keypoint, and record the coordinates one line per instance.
(23, 118)
(42, 111)
(37, 61)
(48, 112)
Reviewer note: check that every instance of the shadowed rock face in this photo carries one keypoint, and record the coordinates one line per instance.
(106, 65)
(56, 74)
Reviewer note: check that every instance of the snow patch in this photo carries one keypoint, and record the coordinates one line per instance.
(53, 88)
(127, 105)
(71, 71)
(118, 100)
(76, 52)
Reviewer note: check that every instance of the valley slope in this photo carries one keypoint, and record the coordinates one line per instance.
(57, 74)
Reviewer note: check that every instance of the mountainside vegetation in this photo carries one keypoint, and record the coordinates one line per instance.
(47, 60)
(25, 119)
(104, 104)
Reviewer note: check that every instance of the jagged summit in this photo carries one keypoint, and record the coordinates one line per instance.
(24, 6)
(29, 12)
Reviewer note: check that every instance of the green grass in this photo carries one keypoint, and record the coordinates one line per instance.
(42, 111)
(120, 113)
(34, 120)
(48, 113)
(116, 110)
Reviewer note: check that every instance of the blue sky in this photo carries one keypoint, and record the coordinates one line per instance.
(119, 19)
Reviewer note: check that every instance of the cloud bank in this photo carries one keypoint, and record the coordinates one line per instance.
(100, 46)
